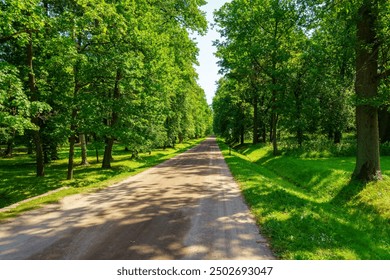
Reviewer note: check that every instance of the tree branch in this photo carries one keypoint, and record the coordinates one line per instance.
(384, 75)
(12, 36)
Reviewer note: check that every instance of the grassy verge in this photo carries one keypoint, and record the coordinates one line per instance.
(18, 181)
(308, 207)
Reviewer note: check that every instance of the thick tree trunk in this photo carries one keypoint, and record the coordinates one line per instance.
(108, 153)
(39, 153)
(83, 143)
(366, 86)
(35, 120)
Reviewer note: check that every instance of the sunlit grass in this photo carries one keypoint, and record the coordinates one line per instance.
(309, 208)
(18, 181)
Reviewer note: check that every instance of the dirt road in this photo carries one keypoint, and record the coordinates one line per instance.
(186, 208)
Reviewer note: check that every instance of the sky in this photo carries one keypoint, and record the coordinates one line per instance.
(208, 68)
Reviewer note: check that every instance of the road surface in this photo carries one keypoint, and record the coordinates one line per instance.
(188, 207)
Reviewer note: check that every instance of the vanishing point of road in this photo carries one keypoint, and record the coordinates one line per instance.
(188, 207)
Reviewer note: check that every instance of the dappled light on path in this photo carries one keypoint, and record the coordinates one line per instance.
(186, 208)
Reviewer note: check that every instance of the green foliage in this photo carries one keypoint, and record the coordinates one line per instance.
(15, 107)
(309, 208)
(117, 71)
(299, 65)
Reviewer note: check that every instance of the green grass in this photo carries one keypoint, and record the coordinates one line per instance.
(18, 181)
(309, 208)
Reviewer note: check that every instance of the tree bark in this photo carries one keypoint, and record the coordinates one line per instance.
(274, 119)
(366, 86)
(338, 135)
(242, 135)
(35, 119)
(73, 127)
(298, 107)
(72, 141)
(114, 119)
(10, 148)
(264, 133)
(274, 134)
(54, 151)
(83, 143)
(30, 147)
(46, 153)
(255, 120)
(108, 153)
(300, 136)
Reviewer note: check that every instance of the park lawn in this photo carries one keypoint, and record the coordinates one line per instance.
(309, 209)
(18, 181)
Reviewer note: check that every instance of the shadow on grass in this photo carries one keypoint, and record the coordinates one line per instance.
(348, 192)
(302, 226)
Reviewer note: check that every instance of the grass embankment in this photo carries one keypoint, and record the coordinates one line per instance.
(309, 209)
(18, 181)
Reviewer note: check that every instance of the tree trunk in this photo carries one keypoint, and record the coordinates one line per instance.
(72, 141)
(54, 151)
(10, 148)
(181, 138)
(300, 136)
(242, 136)
(83, 143)
(264, 133)
(114, 119)
(274, 119)
(274, 134)
(30, 147)
(108, 153)
(46, 153)
(366, 86)
(337, 137)
(35, 119)
(255, 120)
(72, 138)
(39, 153)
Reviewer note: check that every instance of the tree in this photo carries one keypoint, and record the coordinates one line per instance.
(259, 45)
(117, 70)
(14, 106)
(21, 23)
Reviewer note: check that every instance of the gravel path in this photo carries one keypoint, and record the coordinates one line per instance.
(186, 208)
